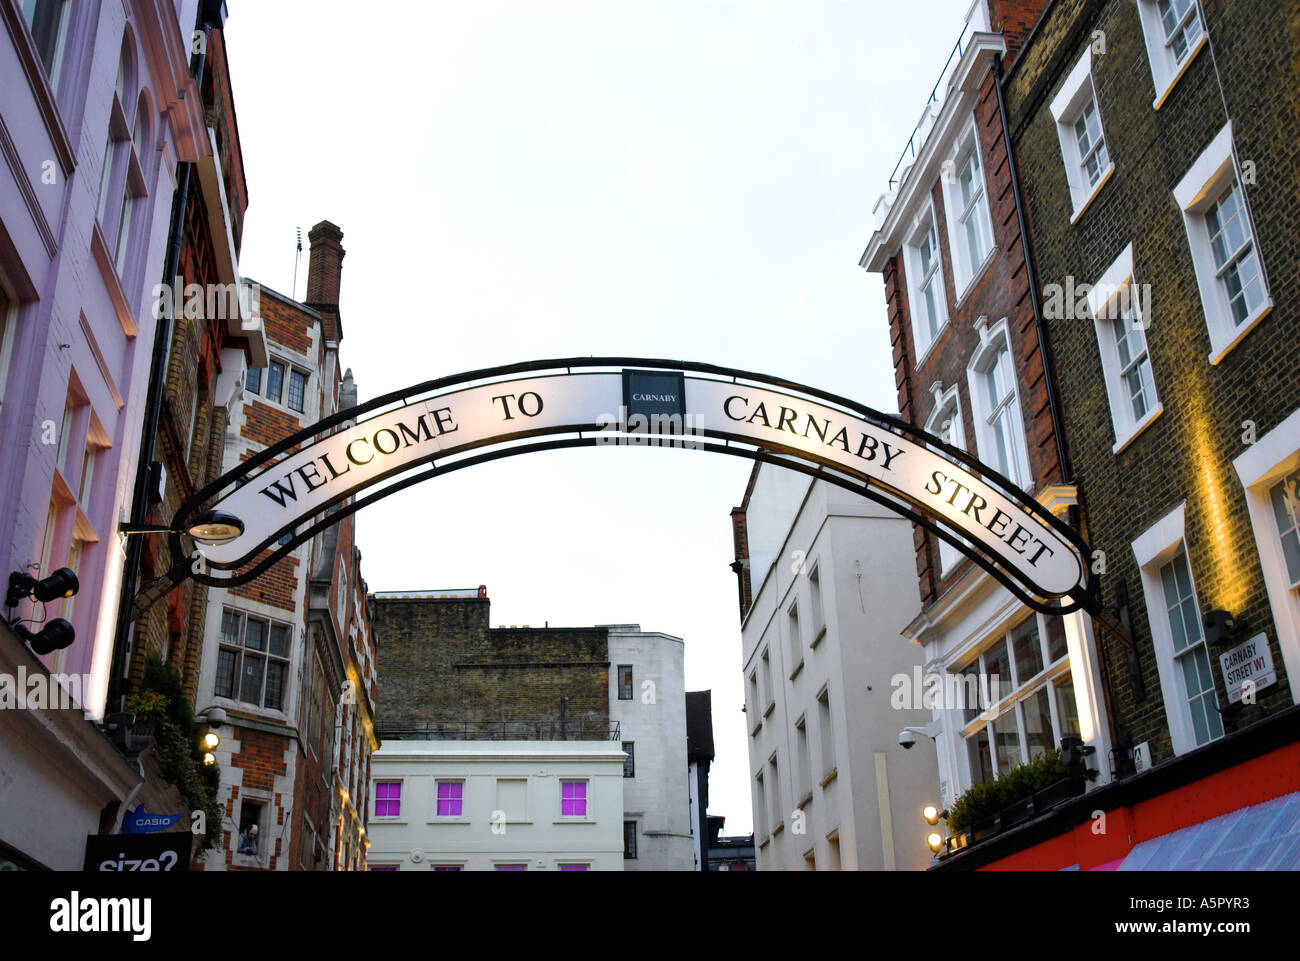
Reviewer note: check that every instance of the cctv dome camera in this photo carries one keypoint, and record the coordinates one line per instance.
(906, 739)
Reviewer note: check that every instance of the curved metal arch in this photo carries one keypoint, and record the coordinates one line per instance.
(805, 462)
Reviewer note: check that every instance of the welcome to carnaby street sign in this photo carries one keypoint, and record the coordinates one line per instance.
(308, 481)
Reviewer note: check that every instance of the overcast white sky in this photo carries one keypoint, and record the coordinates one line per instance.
(518, 181)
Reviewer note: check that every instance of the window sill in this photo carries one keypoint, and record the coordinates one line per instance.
(797, 668)
(764, 843)
(449, 821)
(817, 638)
(379, 820)
(1163, 95)
(806, 801)
(771, 706)
(1138, 428)
(975, 277)
(753, 731)
(780, 826)
(835, 772)
(1082, 208)
(574, 821)
(1239, 333)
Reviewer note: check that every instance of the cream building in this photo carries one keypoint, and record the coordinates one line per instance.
(448, 805)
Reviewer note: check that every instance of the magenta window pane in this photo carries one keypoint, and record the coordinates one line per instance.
(449, 798)
(446, 867)
(511, 867)
(383, 867)
(573, 867)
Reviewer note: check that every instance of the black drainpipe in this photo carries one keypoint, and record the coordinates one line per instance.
(1053, 402)
(210, 15)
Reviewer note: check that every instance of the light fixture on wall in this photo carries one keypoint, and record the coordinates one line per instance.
(935, 840)
(57, 633)
(206, 527)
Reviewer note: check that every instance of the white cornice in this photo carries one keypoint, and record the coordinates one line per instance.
(959, 100)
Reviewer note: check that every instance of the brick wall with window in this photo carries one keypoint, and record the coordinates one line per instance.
(1206, 160)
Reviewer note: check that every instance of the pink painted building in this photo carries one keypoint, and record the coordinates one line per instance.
(99, 107)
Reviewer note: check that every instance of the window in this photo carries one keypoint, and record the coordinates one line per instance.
(1269, 470)
(48, 22)
(122, 184)
(253, 660)
(945, 423)
(826, 733)
(629, 764)
(927, 301)
(629, 840)
(1079, 130)
(1019, 697)
(573, 799)
(1182, 657)
(450, 797)
(760, 806)
(1229, 274)
(796, 642)
(574, 867)
(297, 390)
(774, 782)
(388, 799)
(511, 867)
(766, 671)
(1173, 34)
(803, 758)
(250, 821)
(1121, 320)
(970, 230)
(383, 867)
(1191, 654)
(8, 327)
(253, 380)
(999, 427)
(512, 797)
(818, 611)
(754, 706)
(625, 682)
(448, 867)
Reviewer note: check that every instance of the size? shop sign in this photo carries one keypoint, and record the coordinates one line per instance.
(876, 454)
(1248, 666)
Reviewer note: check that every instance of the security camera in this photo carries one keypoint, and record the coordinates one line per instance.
(906, 738)
(212, 716)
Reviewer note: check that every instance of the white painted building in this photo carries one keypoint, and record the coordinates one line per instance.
(647, 699)
(497, 805)
(834, 582)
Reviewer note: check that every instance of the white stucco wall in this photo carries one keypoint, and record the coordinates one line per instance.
(864, 559)
(539, 837)
(657, 797)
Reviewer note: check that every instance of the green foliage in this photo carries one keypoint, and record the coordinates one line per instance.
(147, 705)
(984, 800)
(177, 747)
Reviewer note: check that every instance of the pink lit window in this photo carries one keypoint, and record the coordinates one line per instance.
(388, 799)
(449, 798)
(573, 799)
(383, 867)
(573, 867)
(512, 867)
(446, 867)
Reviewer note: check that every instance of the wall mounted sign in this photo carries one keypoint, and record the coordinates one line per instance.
(166, 851)
(141, 821)
(1249, 665)
(305, 483)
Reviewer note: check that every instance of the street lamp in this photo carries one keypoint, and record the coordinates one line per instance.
(206, 527)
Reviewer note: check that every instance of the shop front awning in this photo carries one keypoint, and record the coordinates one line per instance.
(1262, 837)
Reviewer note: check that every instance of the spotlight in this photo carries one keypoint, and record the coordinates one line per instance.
(62, 583)
(210, 741)
(215, 527)
(209, 758)
(930, 813)
(55, 636)
(935, 840)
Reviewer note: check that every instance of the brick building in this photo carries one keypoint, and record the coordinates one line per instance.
(972, 367)
(1156, 143)
(450, 677)
(290, 655)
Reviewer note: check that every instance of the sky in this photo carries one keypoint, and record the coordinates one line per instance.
(521, 181)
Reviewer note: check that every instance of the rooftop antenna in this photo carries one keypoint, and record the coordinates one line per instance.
(297, 256)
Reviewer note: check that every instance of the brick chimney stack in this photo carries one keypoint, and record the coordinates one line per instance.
(1015, 20)
(324, 275)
